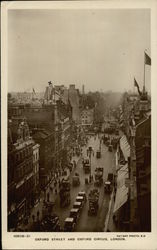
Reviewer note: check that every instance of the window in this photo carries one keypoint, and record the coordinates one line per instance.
(21, 155)
(17, 157)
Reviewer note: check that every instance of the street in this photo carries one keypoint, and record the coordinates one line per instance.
(89, 223)
(85, 223)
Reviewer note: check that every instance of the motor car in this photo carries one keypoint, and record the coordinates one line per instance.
(77, 205)
(107, 187)
(75, 213)
(87, 168)
(98, 154)
(83, 194)
(110, 148)
(80, 199)
(76, 180)
(69, 224)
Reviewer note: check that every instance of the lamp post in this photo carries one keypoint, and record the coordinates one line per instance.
(100, 144)
(90, 151)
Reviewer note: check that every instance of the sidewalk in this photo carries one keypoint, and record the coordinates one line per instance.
(109, 223)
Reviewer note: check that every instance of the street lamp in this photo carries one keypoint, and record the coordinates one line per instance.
(100, 144)
(90, 151)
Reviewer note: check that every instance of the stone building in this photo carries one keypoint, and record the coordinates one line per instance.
(87, 117)
(45, 139)
(20, 171)
(36, 159)
(135, 121)
(143, 173)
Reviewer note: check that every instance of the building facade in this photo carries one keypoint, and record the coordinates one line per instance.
(36, 172)
(135, 120)
(87, 117)
(20, 172)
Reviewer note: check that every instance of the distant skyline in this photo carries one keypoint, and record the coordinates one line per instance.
(102, 49)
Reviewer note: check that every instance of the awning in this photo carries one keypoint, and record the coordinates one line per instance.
(125, 147)
(122, 190)
(123, 173)
(121, 197)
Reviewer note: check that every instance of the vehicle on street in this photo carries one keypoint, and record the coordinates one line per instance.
(110, 148)
(117, 132)
(77, 205)
(105, 139)
(76, 180)
(110, 177)
(98, 154)
(80, 199)
(86, 180)
(93, 199)
(87, 168)
(83, 194)
(64, 193)
(98, 176)
(76, 174)
(69, 224)
(107, 187)
(85, 161)
(75, 214)
(109, 130)
(47, 208)
(49, 223)
(114, 142)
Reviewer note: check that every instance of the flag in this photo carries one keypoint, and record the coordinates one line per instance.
(135, 83)
(147, 59)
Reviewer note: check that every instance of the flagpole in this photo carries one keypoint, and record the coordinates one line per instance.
(144, 74)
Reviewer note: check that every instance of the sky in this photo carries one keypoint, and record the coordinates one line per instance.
(102, 49)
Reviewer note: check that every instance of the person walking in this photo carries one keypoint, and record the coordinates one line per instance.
(48, 196)
(33, 218)
(38, 213)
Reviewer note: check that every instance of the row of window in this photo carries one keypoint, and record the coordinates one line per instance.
(15, 111)
(35, 156)
(23, 190)
(85, 121)
(21, 155)
(36, 167)
(23, 170)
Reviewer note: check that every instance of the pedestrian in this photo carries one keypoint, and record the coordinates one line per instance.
(90, 179)
(56, 191)
(33, 217)
(38, 213)
(48, 197)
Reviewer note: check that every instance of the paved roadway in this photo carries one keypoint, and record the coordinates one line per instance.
(89, 223)
(86, 223)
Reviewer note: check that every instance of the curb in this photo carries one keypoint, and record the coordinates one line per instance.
(108, 213)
